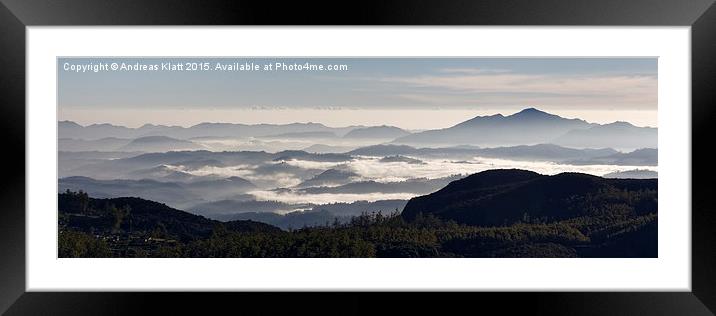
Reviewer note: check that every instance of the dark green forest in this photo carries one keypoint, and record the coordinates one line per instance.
(509, 213)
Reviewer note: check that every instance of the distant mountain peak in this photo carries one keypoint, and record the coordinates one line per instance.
(620, 123)
(532, 112)
(69, 123)
(153, 138)
(104, 125)
(528, 114)
(382, 131)
(529, 110)
(149, 125)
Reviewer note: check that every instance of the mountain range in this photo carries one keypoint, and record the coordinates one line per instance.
(539, 152)
(527, 127)
(531, 126)
(69, 129)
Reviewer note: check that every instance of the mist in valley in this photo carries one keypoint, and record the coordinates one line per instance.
(305, 174)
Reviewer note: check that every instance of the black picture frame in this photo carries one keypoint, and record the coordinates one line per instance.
(15, 15)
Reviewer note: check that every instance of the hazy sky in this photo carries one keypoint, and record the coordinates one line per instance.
(415, 93)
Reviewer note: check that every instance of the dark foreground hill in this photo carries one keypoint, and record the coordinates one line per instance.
(590, 216)
(138, 221)
(504, 197)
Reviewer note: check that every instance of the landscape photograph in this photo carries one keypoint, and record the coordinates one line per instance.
(384, 157)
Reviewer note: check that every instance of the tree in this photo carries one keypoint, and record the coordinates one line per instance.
(74, 244)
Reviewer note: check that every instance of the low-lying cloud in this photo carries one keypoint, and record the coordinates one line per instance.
(372, 169)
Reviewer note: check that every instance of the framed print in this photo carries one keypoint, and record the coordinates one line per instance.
(443, 147)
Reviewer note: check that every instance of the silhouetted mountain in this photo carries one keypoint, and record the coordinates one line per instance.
(621, 221)
(303, 135)
(222, 209)
(529, 126)
(378, 132)
(256, 210)
(541, 152)
(621, 135)
(324, 149)
(159, 144)
(639, 157)
(359, 207)
(198, 163)
(285, 168)
(70, 163)
(244, 130)
(292, 220)
(503, 197)
(302, 155)
(179, 157)
(329, 177)
(546, 152)
(455, 152)
(122, 168)
(633, 174)
(266, 166)
(68, 124)
(103, 144)
(137, 216)
(162, 173)
(398, 158)
(68, 129)
(383, 150)
(219, 188)
(96, 155)
(165, 192)
(417, 186)
(318, 215)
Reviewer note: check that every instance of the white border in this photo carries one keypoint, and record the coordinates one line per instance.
(670, 272)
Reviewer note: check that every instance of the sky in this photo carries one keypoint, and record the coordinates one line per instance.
(412, 93)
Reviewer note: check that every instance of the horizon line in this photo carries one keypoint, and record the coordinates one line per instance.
(351, 125)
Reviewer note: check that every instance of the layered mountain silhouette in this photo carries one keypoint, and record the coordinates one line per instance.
(166, 192)
(633, 174)
(162, 173)
(417, 186)
(238, 172)
(379, 132)
(529, 126)
(69, 129)
(180, 194)
(323, 148)
(639, 157)
(102, 144)
(310, 215)
(532, 126)
(539, 152)
(141, 144)
(302, 155)
(159, 144)
(330, 177)
(404, 159)
(384, 150)
(303, 135)
(616, 135)
(225, 209)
